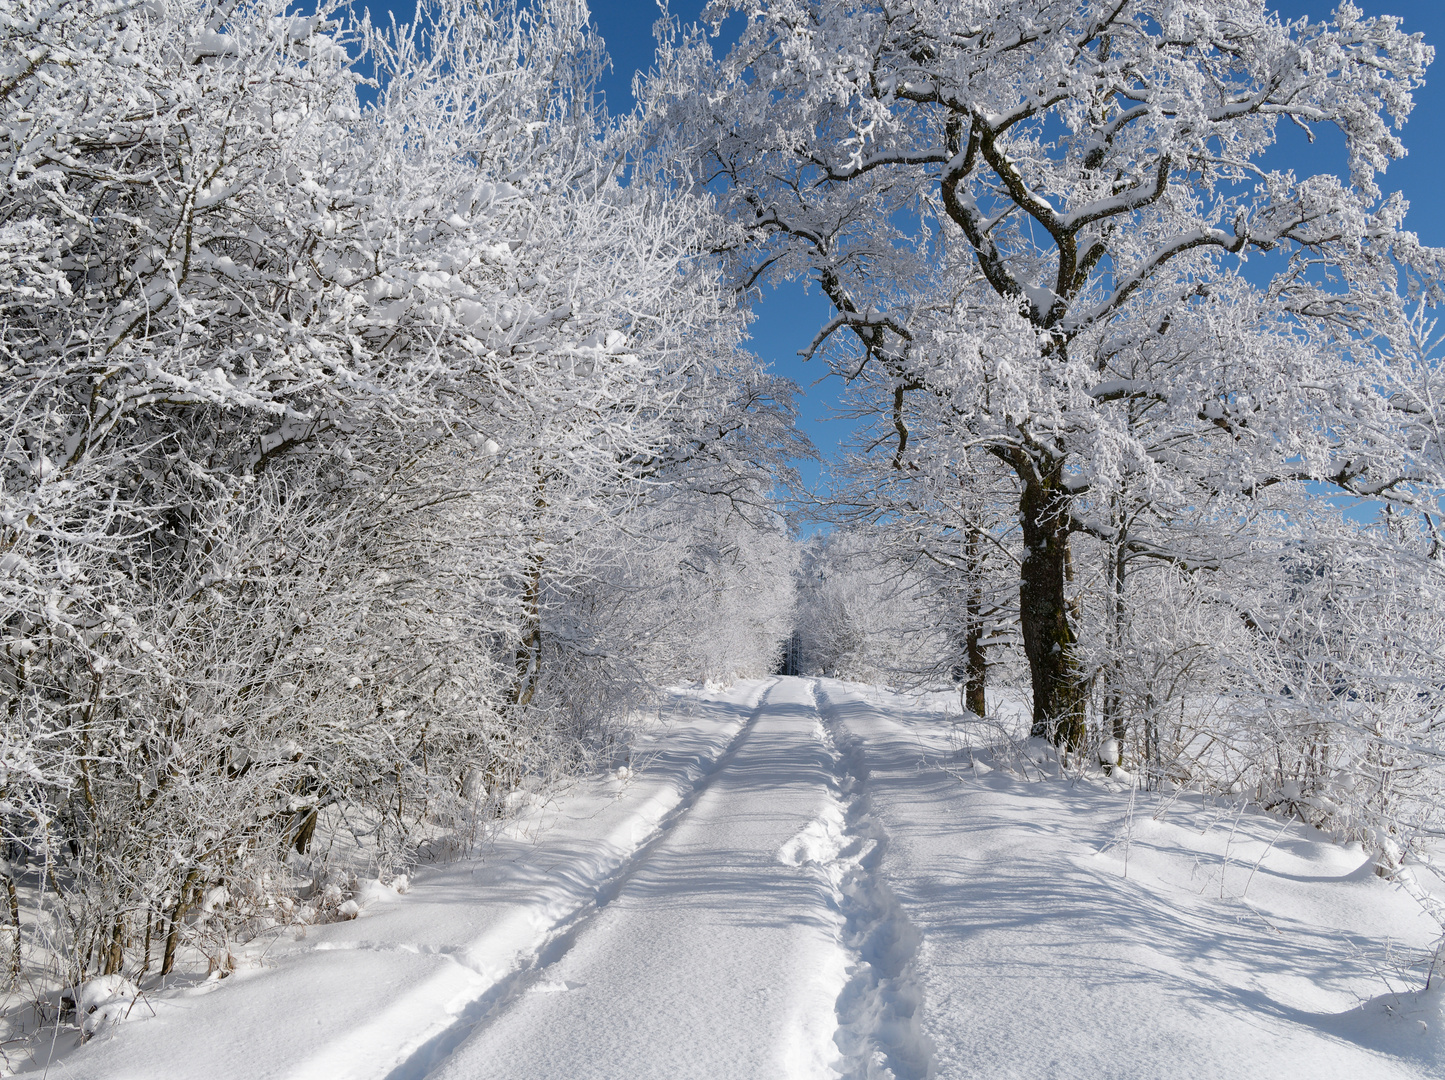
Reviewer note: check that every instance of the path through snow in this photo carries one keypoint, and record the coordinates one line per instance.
(810, 881)
(716, 958)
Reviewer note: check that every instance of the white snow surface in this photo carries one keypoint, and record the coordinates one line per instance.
(813, 879)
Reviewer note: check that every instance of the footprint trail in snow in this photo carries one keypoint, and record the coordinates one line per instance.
(720, 955)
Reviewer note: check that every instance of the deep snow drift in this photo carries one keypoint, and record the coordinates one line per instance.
(811, 879)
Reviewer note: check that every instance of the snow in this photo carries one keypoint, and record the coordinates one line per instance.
(403, 982)
(1070, 931)
(102, 1001)
(715, 958)
(810, 879)
(1409, 1023)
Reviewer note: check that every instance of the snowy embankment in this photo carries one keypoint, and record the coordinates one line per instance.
(1071, 930)
(389, 993)
(811, 880)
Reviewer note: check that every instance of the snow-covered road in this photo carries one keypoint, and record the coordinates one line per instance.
(811, 880)
(715, 958)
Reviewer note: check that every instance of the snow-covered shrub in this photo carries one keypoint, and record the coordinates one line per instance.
(1338, 689)
(299, 399)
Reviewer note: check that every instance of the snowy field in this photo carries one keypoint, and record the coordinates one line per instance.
(814, 879)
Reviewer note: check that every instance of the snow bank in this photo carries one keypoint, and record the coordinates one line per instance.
(1072, 931)
(1410, 1024)
(103, 1002)
(395, 988)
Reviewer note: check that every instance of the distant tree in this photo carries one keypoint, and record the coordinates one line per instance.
(944, 520)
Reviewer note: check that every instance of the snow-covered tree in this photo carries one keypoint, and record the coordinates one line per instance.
(943, 520)
(1334, 693)
(1067, 224)
(865, 615)
(303, 402)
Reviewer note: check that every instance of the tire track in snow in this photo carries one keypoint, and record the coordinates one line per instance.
(478, 1013)
(880, 1032)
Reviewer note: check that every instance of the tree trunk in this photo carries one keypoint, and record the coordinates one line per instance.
(173, 938)
(1114, 717)
(1043, 614)
(305, 830)
(528, 660)
(10, 895)
(115, 951)
(527, 663)
(976, 676)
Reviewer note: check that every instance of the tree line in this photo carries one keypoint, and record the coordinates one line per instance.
(1151, 420)
(375, 435)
